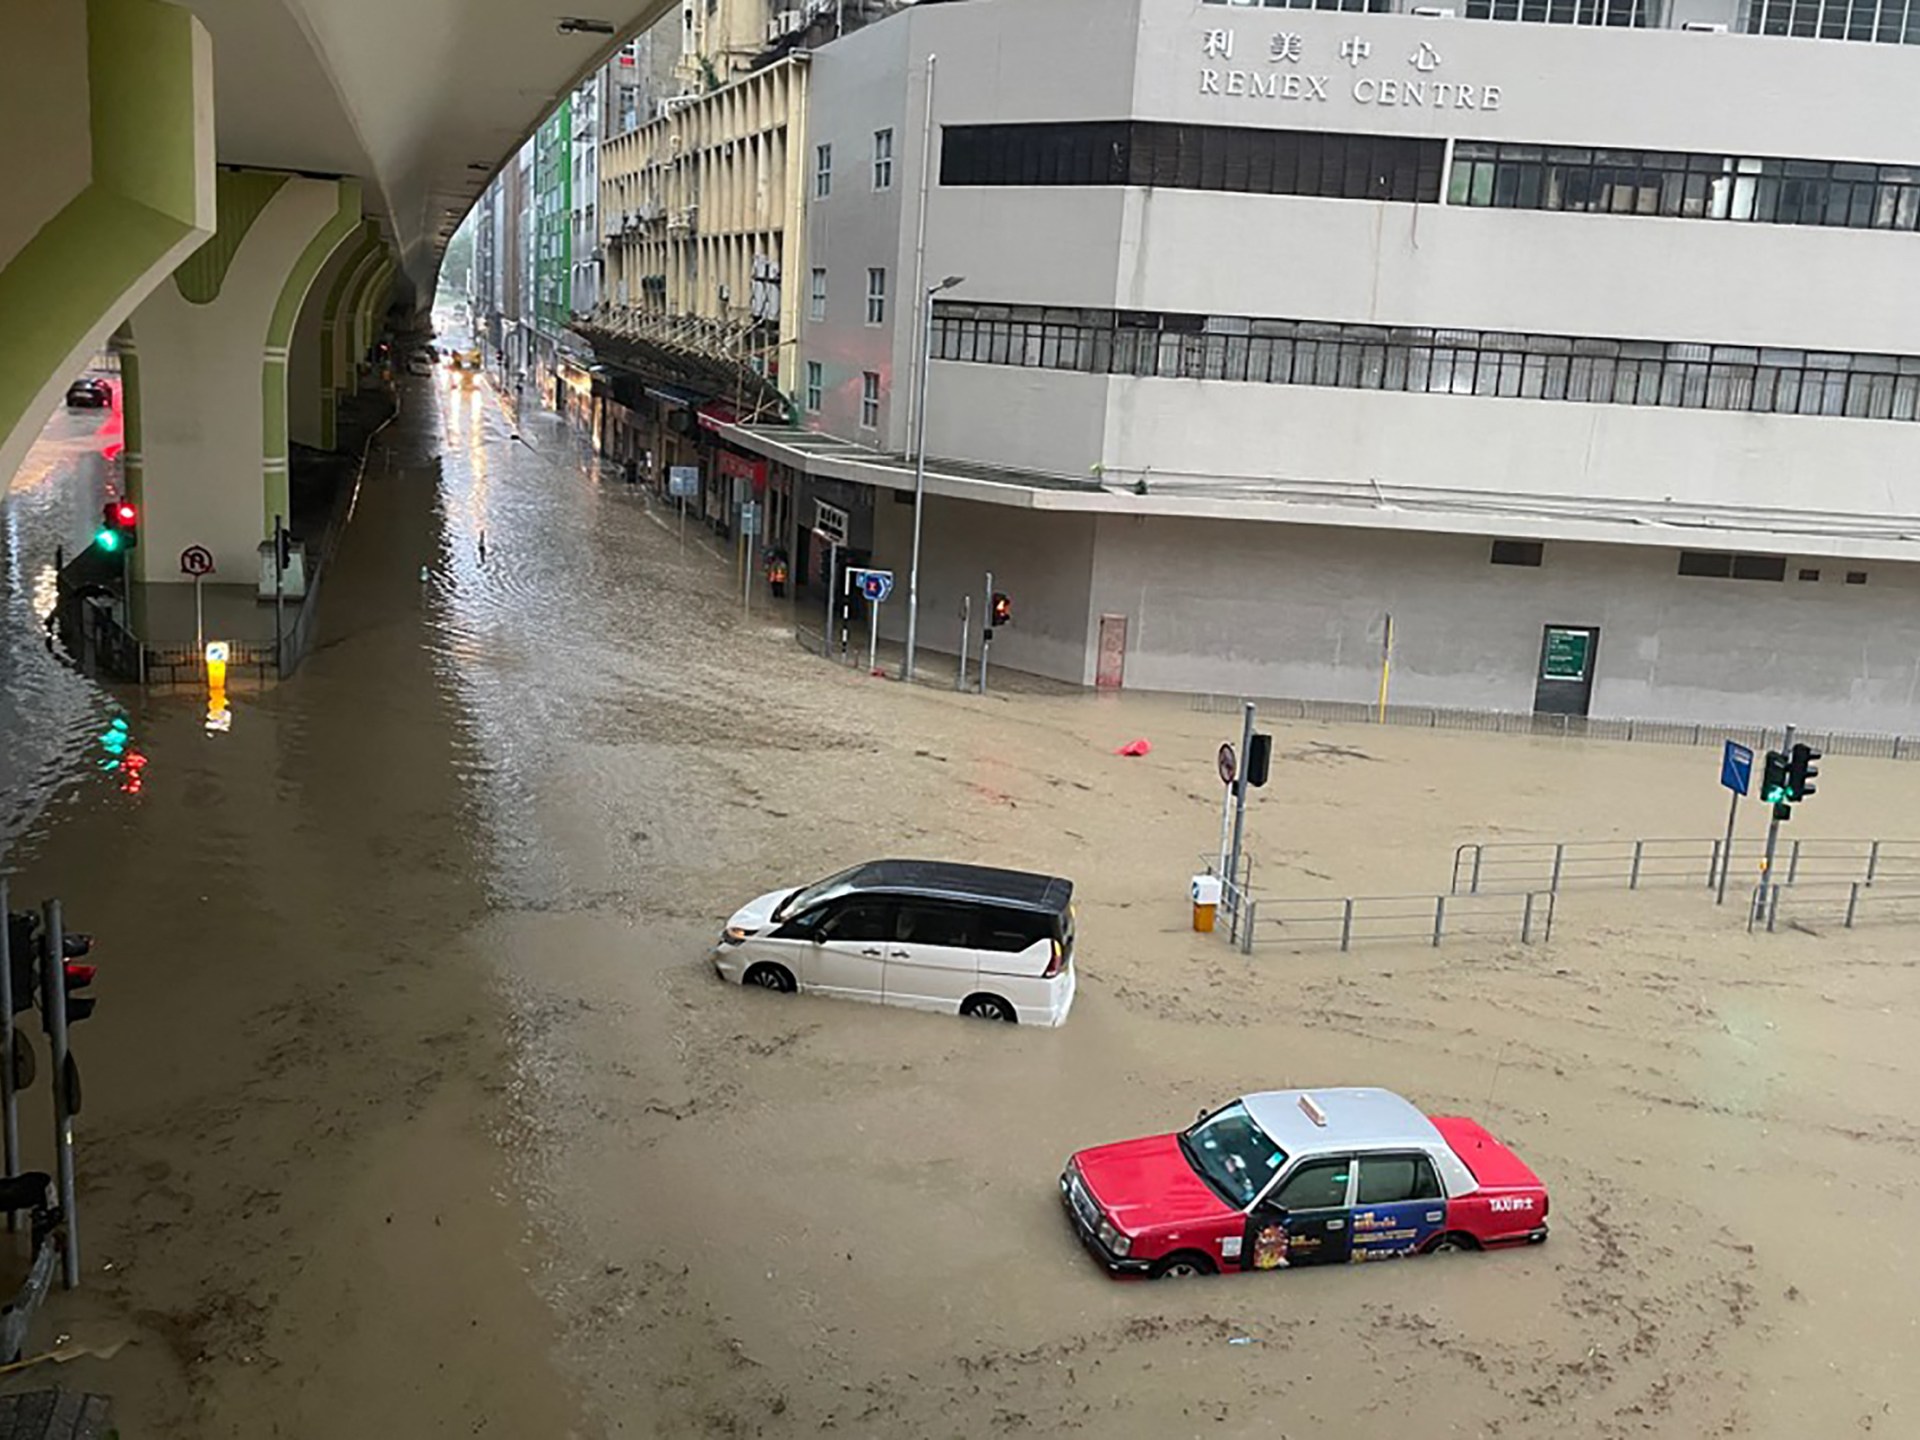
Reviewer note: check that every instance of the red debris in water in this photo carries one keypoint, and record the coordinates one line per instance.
(1134, 747)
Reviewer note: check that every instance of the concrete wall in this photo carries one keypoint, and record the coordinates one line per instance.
(1044, 562)
(1298, 611)
(43, 112)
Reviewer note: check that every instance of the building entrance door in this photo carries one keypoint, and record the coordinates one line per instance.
(1564, 680)
(1111, 666)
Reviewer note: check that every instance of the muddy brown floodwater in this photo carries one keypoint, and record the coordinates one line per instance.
(414, 1107)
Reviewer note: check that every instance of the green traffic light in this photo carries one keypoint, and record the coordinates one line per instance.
(108, 540)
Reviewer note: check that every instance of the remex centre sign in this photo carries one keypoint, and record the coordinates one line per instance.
(1287, 70)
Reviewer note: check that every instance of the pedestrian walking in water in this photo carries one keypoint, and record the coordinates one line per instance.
(633, 472)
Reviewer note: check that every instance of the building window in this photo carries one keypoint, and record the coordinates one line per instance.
(822, 171)
(1717, 565)
(1897, 21)
(883, 159)
(876, 297)
(1856, 577)
(870, 400)
(1624, 13)
(1195, 157)
(1517, 552)
(817, 295)
(1490, 364)
(816, 385)
(1809, 575)
(1685, 186)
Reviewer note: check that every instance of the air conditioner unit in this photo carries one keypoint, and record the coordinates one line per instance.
(1436, 12)
(790, 21)
(1705, 27)
(774, 32)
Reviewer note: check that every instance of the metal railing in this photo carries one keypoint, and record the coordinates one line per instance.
(1482, 867)
(1859, 743)
(1850, 906)
(1348, 920)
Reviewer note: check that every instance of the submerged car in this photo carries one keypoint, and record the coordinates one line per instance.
(1295, 1177)
(929, 935)
(89, 393)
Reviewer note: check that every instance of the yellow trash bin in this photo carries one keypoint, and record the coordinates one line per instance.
(1206, 901)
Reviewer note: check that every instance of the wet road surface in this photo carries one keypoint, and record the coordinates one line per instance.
(416, 1108)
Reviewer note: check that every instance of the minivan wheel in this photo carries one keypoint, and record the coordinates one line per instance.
(988, 1007)
(770, 977)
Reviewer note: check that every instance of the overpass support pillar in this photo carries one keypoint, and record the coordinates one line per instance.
(107, 171)
(350, 265)
(206, 371)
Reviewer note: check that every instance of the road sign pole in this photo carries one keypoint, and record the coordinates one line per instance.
(986, 638)
(846, 617)
(966, 624)
(1226, 822)
(826, 624)
(279, 587)
(199, 620)
(1773, 841)
(1240, 810)
(1726, 850)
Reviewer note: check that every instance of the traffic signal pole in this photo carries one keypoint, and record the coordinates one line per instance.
(53, 1001)
(1240, 820)
(1762, 894)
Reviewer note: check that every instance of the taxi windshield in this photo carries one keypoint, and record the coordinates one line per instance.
(803, 900)
(1232, 1154)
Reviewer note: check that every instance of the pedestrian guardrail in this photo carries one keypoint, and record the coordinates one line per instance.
(1483, 867)
(1348, 920)
(1849, 906)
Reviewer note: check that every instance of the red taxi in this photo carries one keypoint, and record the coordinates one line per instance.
(1298, 1177)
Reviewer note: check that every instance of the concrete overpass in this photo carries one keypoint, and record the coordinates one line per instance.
(238, 187)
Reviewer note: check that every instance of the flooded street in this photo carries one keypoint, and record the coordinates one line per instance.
(414, 1106)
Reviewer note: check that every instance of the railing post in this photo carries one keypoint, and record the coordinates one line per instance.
(1559, 854)
(1478, 852)
(1793, 864)
(1346, 924)
(1439, 918)
(1246, 931)
(1773, 906)
(1526, 921)
(1553, 903)
(1853, 902)
(1633, 876)
(1873, 863)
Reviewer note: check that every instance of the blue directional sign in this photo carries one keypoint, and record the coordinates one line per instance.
(1736, 767)
(876, 585)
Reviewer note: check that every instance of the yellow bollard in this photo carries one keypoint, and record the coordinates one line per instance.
(1205, 892)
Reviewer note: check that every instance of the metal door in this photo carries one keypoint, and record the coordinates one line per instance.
(1111, 666)
(1563, 682)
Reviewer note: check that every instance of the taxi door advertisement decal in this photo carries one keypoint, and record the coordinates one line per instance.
(1270, 1243)
(1384, 1232)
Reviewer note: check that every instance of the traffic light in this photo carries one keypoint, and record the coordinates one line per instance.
(1002, 610)
(1773, 783)
(283, 548)
(78, 978)
(1800, 772)
(119, 526)
(23, 958)
(1259, 758)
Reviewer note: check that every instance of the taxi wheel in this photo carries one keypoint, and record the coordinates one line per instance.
(1453, 1242)
(1183, 1265)
(770, 977)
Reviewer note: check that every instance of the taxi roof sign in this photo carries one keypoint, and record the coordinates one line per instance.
(1311, 1109)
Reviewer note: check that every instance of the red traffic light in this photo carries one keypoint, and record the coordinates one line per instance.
(125, 514)
(79, 976)
(1002, 610)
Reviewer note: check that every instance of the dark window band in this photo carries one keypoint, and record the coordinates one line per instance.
(1428, 361)
(1685, 186)
(1194, 157)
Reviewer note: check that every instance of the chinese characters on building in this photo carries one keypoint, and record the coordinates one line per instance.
(1422, 89)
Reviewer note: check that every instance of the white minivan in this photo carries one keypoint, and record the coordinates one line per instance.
(930, 935)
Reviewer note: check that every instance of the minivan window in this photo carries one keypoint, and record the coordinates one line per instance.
(931, 923)
(1012, 931)
(813, 894)
(858, 920)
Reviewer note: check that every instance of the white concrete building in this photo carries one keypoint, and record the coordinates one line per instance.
(1589, 353)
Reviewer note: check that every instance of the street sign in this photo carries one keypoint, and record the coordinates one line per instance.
(749, 519)
(876, 585)
(1736, 767)
(216, 652)
(1566, 657)
(196, 560)
(1229, 767)
(683, 480)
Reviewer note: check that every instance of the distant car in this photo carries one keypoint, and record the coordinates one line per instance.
(929, 935)
(1294, 1177)
(89, 393)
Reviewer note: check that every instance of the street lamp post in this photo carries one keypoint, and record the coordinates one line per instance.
(920, 466)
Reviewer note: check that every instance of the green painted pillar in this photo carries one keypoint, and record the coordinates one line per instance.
(360, 255)
(106, 108)
(210, 356)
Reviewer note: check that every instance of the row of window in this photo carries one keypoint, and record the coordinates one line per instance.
(1686, 186)
(1887, 22)
(882, 165)
(1194, 157)
(1758, 379)
(876, 295)
(816, 392)
(1711, 564)
(1505, 176)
